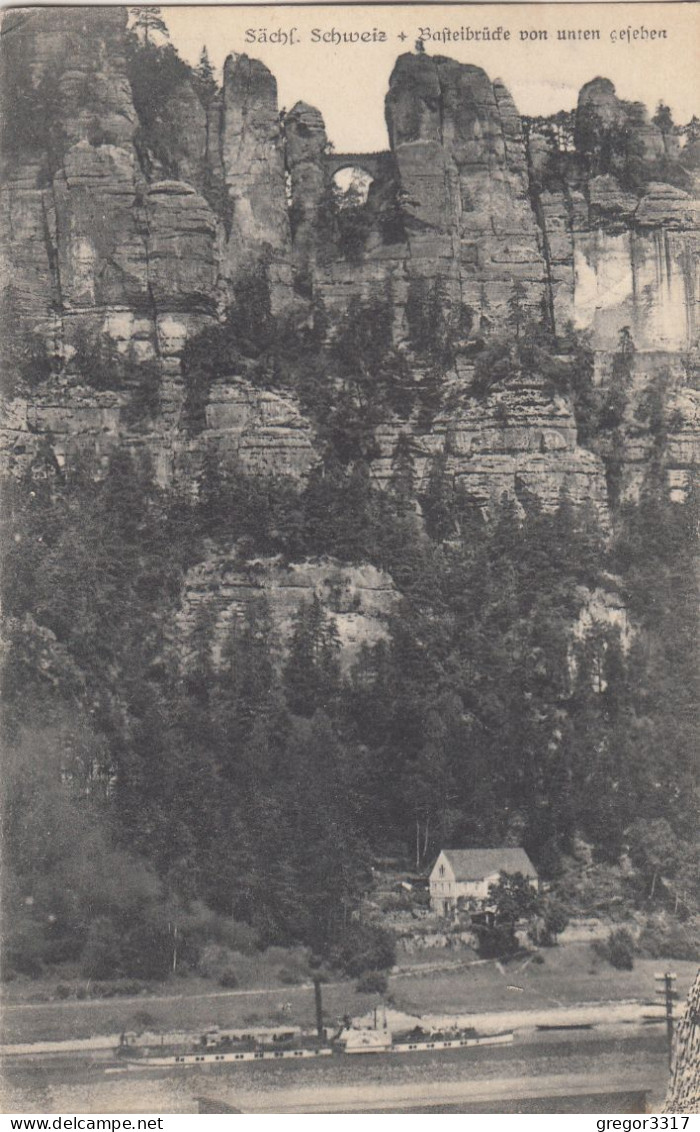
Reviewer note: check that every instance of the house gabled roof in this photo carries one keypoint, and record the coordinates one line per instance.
(475, 864)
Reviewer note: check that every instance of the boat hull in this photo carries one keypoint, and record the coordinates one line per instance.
(234, 1058)
(201, 1059)
(455, 1043)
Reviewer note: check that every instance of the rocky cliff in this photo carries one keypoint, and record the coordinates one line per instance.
(460, 152)
(222, 588)
(123, 242)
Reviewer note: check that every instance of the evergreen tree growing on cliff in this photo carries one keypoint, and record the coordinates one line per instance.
(438, 500)
(312, 673)
(617, 397)
(402, 483)
(516, 309)
(663, 118)
(205, 80)
(149, 25)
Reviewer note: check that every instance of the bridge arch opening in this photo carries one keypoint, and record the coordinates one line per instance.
(351, 186)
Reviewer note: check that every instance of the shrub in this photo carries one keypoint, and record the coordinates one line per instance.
(23, 951)
(62, 991)
(289, 977)
(549, 924)
(621, 949)
(665, 938)
(497, 941)
(238, 936)
(144, 380)
(101, 955)
(617, 949)
(208, 930)
(127, 988)
(215, 959)
(372, 982)
(102, 366)
(228, 979)
(144, 1020)
(247, 331)
(25, 360)
(391, 902)
(364, 947)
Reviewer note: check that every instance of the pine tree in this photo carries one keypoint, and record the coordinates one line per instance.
(663, 118)
(402, 483)
(148, 23)
(247, 679)
(692, 129)
(205, 79)
(517, 309)
(312, 672)
(438, 500)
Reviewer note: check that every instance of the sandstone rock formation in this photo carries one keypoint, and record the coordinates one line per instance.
(306, 141)
(461, 158)
(106, 240)
(265, 431)
(262, 432)
(520, 440)
(71, 240)
(253, 170)
(357, 598)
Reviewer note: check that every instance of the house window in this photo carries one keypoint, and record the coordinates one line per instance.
(441, 870)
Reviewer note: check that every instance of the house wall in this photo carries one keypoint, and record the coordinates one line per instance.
(443, 889)
(476, 889)
(447, 889)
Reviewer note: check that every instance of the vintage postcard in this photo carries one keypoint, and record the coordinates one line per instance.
(350, 425)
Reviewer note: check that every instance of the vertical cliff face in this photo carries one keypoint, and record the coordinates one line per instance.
(93, 249)
(70, 237)
(359, 600)
(620, 221)
(622, 240)
(94, 219)
(459, 148)
(306, 144)
(252, 157)
(110, 247)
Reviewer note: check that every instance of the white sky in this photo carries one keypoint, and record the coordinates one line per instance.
(348, 83)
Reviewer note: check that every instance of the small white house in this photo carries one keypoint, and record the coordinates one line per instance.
(470, 873)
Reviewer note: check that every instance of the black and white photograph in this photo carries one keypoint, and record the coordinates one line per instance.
(350, 425)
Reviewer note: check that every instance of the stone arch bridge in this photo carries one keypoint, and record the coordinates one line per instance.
(376, 164)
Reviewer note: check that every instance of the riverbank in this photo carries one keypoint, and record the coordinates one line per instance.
(570, 978)
(613, 1059)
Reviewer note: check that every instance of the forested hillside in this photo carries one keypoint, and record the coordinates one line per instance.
(264, 788)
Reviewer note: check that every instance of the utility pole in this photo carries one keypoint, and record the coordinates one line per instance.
(319, 1007)
(172, 928)
(667, 980)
